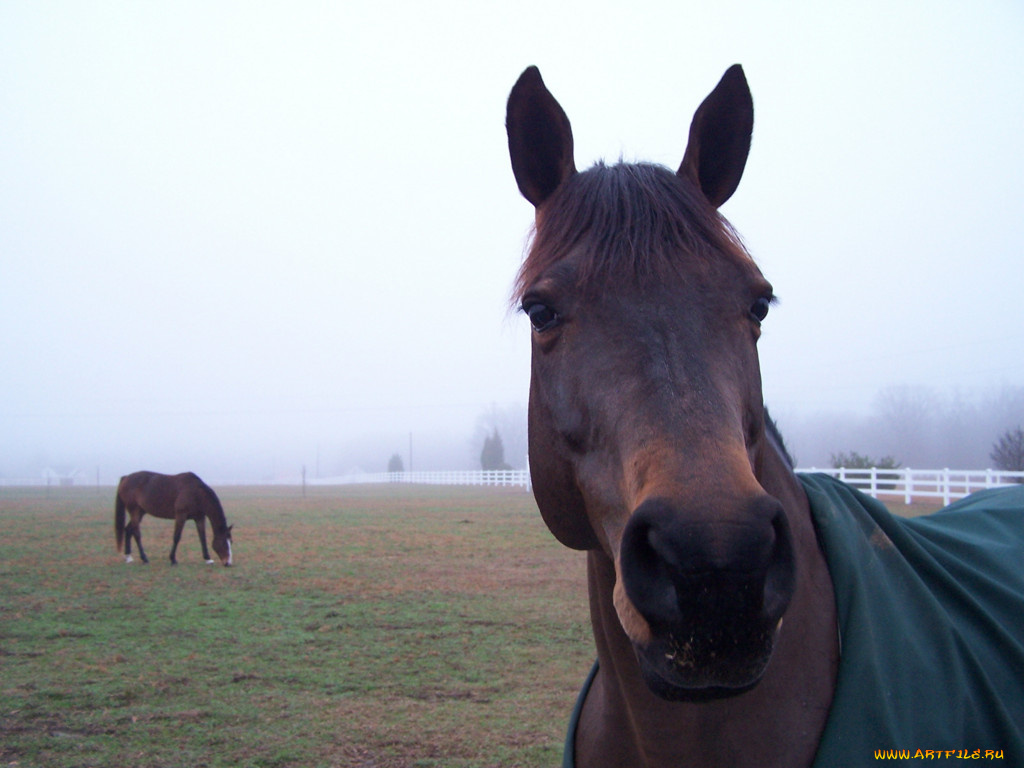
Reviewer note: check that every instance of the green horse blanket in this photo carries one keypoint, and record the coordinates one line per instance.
(931, 626)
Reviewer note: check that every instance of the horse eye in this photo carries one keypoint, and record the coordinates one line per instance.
(542, 317)
(759, 309)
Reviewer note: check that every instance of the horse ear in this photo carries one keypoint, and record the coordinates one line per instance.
(720, 138)
(539, 138)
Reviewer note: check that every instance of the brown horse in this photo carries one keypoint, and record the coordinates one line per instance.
(712, 604)
(172, 497)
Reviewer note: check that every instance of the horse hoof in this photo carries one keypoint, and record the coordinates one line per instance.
(209, 562)
(129, 559)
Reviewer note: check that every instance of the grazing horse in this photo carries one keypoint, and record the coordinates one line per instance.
(172, 497)
(730, 612)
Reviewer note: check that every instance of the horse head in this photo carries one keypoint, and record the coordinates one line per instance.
(646, 422)
(222, 544)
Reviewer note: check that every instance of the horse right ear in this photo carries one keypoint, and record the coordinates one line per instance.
(716, 152)
(539, 138)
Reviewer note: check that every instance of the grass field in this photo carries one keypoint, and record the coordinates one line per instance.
(362, 626)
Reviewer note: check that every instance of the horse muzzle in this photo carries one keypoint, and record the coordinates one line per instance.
(703, 593)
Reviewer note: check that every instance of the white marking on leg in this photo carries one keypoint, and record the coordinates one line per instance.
(129, 559)
(209, 562)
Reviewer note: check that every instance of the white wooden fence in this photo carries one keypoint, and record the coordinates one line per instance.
(508, 478)
(499, 477)
(945, 484)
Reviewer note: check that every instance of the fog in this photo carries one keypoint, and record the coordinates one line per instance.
(244, 239)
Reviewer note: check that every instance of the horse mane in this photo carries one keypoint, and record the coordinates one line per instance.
(776, 437)
(634, 220)
(213, 499)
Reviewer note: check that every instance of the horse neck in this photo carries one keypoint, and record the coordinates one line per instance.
(778, 722)
(214, 512)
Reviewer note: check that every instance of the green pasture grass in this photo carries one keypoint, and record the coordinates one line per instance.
(363, 626)
(370, 626)
(918, 507)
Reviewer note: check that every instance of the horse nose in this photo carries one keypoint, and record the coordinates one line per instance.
(697, 567)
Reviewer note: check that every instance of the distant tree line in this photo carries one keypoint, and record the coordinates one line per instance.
(854, 460)
(921, 426)
(1007, 454)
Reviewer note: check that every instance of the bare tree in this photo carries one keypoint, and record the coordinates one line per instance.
(907, 423)
(1008, 451)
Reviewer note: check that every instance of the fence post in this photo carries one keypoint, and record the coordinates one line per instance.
(908, 486)
(945, 486)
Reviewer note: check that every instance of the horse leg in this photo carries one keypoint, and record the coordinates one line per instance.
(201, 530)
(179, 524)
(134, 529)
(128, 544)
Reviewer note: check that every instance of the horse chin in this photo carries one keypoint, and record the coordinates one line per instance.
(695, 670)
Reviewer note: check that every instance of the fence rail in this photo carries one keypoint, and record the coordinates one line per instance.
(945, 484)
(504, 477)
(500, 477)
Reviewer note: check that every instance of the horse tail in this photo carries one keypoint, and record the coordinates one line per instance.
(119, 518)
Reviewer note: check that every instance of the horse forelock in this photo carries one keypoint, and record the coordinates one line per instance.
(637, 221)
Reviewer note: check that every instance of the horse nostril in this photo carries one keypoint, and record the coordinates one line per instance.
(647, 566)
(678, 566)
(780, 576)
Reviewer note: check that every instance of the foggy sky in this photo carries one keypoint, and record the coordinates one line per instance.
(242, 238)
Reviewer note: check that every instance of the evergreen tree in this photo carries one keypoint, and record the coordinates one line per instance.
(493, 454)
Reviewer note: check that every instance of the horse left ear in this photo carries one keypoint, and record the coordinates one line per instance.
(720, 138)
(539, 138)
